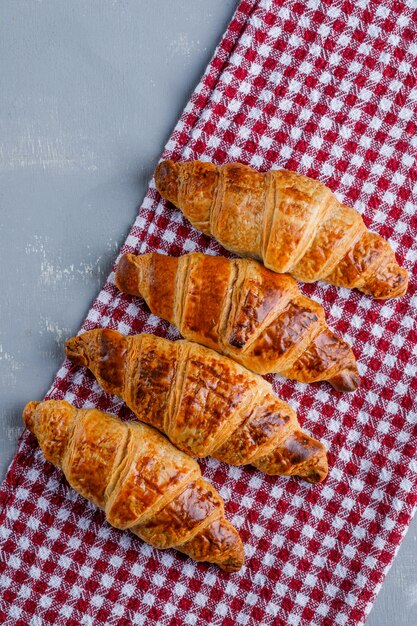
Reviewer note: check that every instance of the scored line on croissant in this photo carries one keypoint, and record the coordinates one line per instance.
(244, 311)
(293, 223)
(141, 481)
(205, 403)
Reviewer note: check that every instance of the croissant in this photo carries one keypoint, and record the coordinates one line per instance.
(292, 223)
(139, 479)
(205, 403)
(239, 308)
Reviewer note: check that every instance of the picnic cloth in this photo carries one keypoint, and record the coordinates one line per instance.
(327, 89)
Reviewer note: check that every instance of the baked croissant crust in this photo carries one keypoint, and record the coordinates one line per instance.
(141, 481)
(239, 308)
(292, 223)
(205, 403)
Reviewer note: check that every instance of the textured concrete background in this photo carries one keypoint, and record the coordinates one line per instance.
(89, 92)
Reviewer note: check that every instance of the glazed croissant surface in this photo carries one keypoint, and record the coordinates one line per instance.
(141, 481)
(244, 311)
(205, 403)
(292, 223)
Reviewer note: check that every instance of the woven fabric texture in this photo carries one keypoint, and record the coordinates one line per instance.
(327, 89)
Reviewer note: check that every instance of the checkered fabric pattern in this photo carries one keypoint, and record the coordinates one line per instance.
(326, 88)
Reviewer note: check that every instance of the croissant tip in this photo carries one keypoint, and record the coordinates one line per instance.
(28, 413)
(235, 559)
(395, 287)
(126, 277)
(346, 380)
(319, 472)
(166, 180)
(400, 289)
(74, 350)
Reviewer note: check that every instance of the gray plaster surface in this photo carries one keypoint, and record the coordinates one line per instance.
(89, 92)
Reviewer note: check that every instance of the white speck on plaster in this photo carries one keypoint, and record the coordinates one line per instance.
(183, 45)
(13, 433)
(54, 272)
(44, 143)
(48, 153)
(11, 366)
(113, 245)
(52, 327)
(412, 596)
(37, 246)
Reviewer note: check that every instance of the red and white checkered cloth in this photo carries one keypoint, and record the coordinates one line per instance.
(326, 88)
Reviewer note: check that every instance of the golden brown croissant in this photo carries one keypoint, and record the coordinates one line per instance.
(243, 310)
(205, 403)
(139, 479)
(292, 223)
